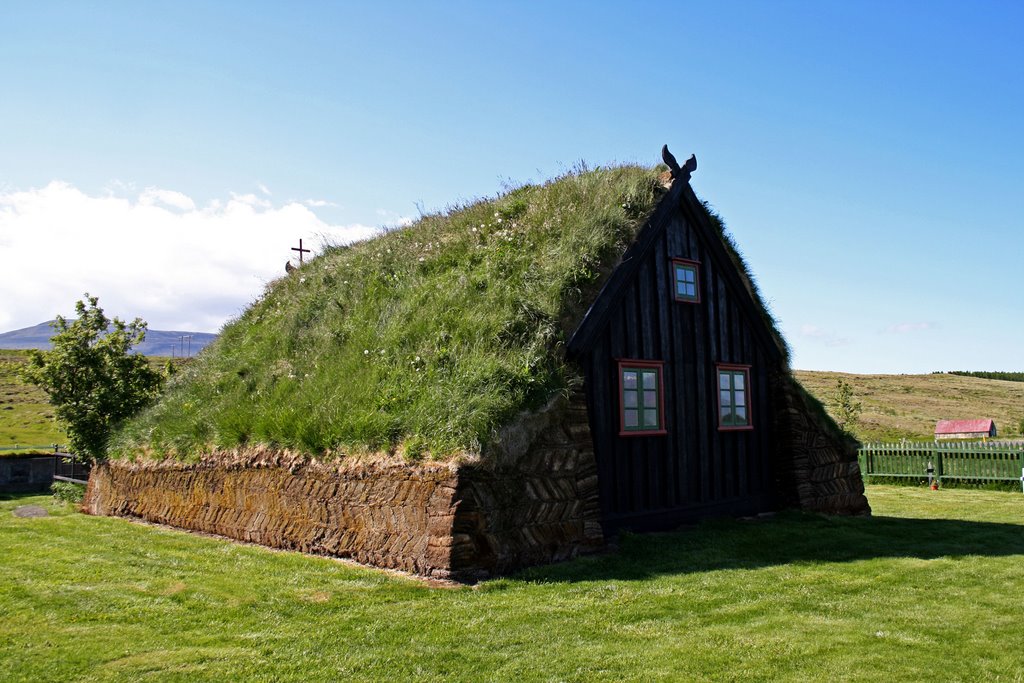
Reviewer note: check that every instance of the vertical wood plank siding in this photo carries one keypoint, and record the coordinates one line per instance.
(650, 482)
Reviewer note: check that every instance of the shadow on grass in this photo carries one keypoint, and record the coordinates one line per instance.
(6, 496)
(790, 538)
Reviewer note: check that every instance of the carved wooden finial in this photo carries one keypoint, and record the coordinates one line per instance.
(678, 171)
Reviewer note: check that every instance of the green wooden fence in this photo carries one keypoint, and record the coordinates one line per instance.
(965, 461)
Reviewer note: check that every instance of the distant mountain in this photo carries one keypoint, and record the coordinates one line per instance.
(158, 342)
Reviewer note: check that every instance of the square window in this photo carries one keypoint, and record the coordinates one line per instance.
(641, 397)
(684, 277)
(733, 409)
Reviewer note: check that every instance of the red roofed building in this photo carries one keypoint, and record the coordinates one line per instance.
(964, 429)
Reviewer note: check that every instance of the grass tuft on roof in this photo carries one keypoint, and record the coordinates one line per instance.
(423, 340)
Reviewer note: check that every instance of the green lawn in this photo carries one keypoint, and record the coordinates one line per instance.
(931, 588)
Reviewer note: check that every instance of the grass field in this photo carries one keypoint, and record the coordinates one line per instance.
(908, 406)
(26, 417)
(928, 589)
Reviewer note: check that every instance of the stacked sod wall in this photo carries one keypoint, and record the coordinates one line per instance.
(535, 502)
(816, 463)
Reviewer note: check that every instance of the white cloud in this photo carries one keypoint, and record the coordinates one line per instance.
(251, 200)
(904, 328)
(826, 337)
(263, 189)
(152, 253)
(152, 196)
(318, 203)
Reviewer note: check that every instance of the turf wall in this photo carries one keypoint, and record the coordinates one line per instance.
(816, 463)
(535, 501)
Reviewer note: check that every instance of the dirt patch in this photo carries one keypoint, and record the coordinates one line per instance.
(30, 511)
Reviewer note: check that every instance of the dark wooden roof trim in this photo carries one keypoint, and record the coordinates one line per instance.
(696, 214)
(611, 292)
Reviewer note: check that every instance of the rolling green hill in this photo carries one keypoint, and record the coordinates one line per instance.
(908, 406)
(26, 417)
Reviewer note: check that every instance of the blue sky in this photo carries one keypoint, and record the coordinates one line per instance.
(868, 157)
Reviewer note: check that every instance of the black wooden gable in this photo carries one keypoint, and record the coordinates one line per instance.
(689, 463)
(680, 197)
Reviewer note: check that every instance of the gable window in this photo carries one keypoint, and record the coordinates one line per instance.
(684, 280)
(641, 398)
(734, 397)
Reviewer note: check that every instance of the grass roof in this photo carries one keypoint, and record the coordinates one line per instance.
(422, 341)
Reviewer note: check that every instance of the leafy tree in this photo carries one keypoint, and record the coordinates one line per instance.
(847, 410)
(93, 382)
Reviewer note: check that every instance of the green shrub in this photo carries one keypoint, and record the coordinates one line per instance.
(92, 379)
(68, 492)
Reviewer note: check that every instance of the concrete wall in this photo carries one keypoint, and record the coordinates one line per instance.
(24, 474)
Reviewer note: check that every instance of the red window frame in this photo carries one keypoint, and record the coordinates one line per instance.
(696, 280)
(659, 366)
(733, 368)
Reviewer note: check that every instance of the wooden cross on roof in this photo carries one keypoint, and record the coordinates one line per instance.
(300, 250)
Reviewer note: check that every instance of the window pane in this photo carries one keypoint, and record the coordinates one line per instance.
(629, 399)
(650, 380)
(630, 418)
(740, 398)
(726, 414)
(686, 282)
(726, 398)
(737, 380)
(629, 379)
(723, 380)
(651, 418)
(650, 399)
(741, 416)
